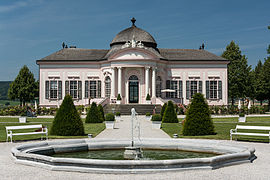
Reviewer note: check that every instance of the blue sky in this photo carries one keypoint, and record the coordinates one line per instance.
(33, 29)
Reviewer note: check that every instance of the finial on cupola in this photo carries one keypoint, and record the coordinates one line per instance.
(133, 20)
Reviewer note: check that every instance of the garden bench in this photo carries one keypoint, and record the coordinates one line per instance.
(259, 128)
(39, 130)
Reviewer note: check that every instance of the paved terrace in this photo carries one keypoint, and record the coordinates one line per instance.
(259, 169)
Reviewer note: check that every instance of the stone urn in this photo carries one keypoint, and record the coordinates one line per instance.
(22, 119)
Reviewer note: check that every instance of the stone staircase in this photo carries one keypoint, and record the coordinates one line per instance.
(125, 109)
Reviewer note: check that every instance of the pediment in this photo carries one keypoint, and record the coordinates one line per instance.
(132, 54)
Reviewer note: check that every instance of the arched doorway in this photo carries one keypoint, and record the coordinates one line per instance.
(133, 86)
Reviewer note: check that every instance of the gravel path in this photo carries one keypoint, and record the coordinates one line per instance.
(259, 169)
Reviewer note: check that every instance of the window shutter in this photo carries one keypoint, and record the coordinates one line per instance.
(200, 87)
(67, 88)
(59, 89)
(79, 89)
(168, 86)
(220, 89)
(187, 89)
(86, 94)
(47, 89)
(207, 90)
(99, 89)
(180, 89)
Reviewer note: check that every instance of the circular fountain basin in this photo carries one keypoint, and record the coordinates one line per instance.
(40, 154)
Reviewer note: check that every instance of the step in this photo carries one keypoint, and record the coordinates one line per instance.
(125, 109)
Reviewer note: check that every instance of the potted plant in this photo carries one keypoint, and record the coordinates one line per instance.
(109, 121)
(23, 117)
(156, 121)
(148, 116)
(118, 116)
(148, 99)
(242, 117)
(118, 100)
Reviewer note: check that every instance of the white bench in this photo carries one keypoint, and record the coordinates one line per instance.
(9, 130)
(262, 128)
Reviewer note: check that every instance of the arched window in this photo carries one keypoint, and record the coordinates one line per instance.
(107, 86)
(133, 78)
(158, 86)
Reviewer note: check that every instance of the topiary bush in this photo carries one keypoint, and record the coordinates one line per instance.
(118, 113)
(156, 117)
(148, 114)
(163, 109)
(101, 113)
(169, 115)
(119, 97)
(93, 115)
(148, 98)
(198, 118)
(109, 117)
(67, 121)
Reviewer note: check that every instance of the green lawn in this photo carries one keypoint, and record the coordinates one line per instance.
(93, 129)
(12, 103)
(222, 129)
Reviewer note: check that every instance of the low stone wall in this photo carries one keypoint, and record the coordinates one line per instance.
(36, 154)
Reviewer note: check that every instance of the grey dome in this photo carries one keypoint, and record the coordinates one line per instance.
(139, 35)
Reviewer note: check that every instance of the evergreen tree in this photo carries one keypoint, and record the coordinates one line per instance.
(93, 115)
(258, 82)
(238, 72)
(163, 109)
(169, 115)
(101, 113)
(198, 118)
(23, 87)
(67, 121)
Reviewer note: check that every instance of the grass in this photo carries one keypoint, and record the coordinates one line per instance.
(222, 129)
(12, 103)
(93, 129)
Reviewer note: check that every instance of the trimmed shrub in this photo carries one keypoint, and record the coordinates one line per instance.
(118, 114)
(67, 121)
(148, 114)
(109, 117)
(119, 97)
(93, 115)
(156, 117)
(163, 109)
(169, 115)
(101, 113)
(198, 120)
(148, 98)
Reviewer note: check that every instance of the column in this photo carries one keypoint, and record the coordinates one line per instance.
(146, 80)
(113, 84)
(154, 82)
(119, 81)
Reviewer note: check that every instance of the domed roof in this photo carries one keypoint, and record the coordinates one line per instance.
(136, 33)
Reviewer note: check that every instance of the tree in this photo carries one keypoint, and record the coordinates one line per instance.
(163, 109)
(101, 113)
(67, 121)
(93, 115)
(23, 87)
(169, 115)
(198, 118)
(238, 72)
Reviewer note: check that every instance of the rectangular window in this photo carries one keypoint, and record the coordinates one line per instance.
(93, 89)
(213, 89)
(53, 89)
(174, 85)
(193, 87)
(73, 89)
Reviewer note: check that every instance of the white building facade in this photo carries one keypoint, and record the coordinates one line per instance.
(133, 67)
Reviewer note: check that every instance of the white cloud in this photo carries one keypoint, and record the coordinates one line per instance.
(17, 5)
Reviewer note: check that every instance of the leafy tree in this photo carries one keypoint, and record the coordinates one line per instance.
(101, 113)
(169, 115)
(67, 121)
(163, 109)
(238, 72)
(93, 115)
(198, 118)
(258, 82)
(23, 87)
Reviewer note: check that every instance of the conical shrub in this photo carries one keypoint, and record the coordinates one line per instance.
(67, 121)
(198, 118)
(163, 109)
(101, 113)
(169, 115)
(93, 115)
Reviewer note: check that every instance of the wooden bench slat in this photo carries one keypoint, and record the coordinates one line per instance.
(266, 128)
(250, 134)
(23, 127)
(28, 133)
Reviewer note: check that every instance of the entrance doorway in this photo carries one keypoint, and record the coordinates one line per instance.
(133, 86)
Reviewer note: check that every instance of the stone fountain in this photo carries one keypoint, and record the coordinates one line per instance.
(133, 152)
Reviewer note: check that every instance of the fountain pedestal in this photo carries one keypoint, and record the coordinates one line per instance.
(132, 153)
